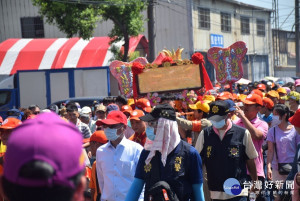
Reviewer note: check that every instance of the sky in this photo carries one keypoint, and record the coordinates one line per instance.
(286, 11)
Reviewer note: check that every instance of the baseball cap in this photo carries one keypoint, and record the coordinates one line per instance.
(224, 95)
(253, 99)
(130, 101)
(99, 136)
(261, 87)
(143, 104)
(126, 108)
(114, 117)
(112, 107)
(200, 105)
(268, 103)
(273, 94)
(165, 111)
(85, 110)
(101, 107)
(282, 90)
(295, 119)
(10, 123)
(294, 95)
(218, 110)
(49, 139)
(258, 92)
(14, 113)
(231, 105)
(136, 114)
(297, 82)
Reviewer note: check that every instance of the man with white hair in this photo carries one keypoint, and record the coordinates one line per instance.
(167, 160)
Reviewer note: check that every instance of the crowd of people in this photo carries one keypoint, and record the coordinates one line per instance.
(244, 139)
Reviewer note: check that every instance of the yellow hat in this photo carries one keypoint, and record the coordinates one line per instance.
(281, 90)
(294, 95)
(273, 94)
(209, 98)
(200, 105)
(242, 97)
(130, 101)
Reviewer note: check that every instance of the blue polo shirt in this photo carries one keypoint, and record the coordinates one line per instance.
(183, 169)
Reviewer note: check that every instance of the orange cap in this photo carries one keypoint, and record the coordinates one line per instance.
(99, 136)
(258, 92)
(224, 96)
(253, 99)
(126, 108)
(10, 123)
(261, 87)
(144, 104)
(268, 103)
(135, 114)
(273, 94)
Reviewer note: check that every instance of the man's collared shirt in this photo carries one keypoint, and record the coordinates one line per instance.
(116, 168)
(263, 126)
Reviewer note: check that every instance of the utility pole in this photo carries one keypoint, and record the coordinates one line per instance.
(151, 30)
(297, 38)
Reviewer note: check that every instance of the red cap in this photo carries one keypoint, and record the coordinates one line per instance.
(258, 92)
(10, 123)
(295, 119)
(253, 99)
(268, 103)
(114, 117)
(144, 104)
(135, 114)
(261, 86)
(224, 96)
(126, 108)
(99, 136)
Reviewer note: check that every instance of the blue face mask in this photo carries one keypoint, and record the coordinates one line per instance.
(150, 133)
(111, 134)
(218, 124)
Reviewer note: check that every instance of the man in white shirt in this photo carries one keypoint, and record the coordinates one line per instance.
(116, 161)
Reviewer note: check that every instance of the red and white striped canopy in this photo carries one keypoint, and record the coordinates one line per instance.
(57, 53)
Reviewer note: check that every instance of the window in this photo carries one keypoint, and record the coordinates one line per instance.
(204, 18)
(260, 26)
(32, 27)
(245, 25)
(225, 22)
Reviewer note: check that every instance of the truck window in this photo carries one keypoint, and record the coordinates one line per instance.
(5, 97)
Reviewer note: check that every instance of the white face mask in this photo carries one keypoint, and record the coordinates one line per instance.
(298, 89)
(275, 120)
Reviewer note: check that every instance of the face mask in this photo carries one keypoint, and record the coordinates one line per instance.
(150, 133)
(275, 120)
(218, 124)
(111, 134)
(298, 89)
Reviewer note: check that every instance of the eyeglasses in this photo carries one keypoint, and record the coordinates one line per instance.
(152, 123)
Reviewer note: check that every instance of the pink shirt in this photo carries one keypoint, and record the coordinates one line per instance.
(263, 126)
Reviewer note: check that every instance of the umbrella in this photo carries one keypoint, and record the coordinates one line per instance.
(243, 81)
(274, 79)
(286, 79)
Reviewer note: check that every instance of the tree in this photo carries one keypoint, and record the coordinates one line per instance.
(80, 17)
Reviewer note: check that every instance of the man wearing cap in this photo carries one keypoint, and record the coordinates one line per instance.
(274, 96)
(258, 128)
(138, 126)
(262, 87)
(294, 100)
(116, 161)
(281, 92)
(97, 139)
(177, 162)
(226, 150)
(44, 161)
(297, 85)
(8, 125)
(200, 109)
(267, 111)
(86, 117)
(73, 117)
(100, 112)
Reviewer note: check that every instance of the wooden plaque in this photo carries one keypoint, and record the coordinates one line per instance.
(173, 78)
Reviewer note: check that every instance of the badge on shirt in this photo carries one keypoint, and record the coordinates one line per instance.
(147, 168)
(208, 151)
(234, 152)
(177, 164)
